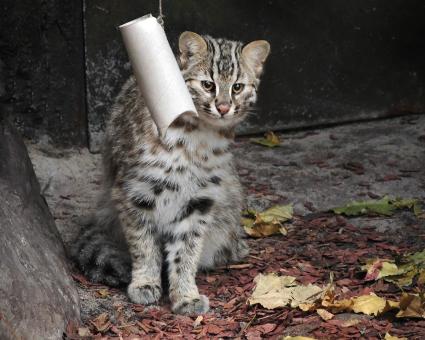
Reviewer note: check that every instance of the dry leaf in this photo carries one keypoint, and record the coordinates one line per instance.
(271, 140)
(421, 277)
(372, 304)
(268, 222)
(390, 337)
(298, 338)
(274, 291)
(379, 269)
(101, 323)
(385, 206)
(262, 230)
(411, 306)
(400, 273)
(324, 314)
(84, 332)
(198, 321)
(102, 293)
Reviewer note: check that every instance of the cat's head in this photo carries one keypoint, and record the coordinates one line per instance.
(222, 76)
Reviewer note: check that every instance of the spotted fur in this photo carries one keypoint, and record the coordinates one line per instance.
(174, 199)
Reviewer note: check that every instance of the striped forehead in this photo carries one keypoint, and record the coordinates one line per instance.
(224, 56)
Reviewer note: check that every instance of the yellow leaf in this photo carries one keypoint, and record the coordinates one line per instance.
(307, 307)
(103, 293)
(335, 306)
(275, 214)
(271, 140)
(268, 222)
(198, 321)
(390, 337)
(370, 304)
(262, 230)
(283, 231)
(274, 291)
(324, 314)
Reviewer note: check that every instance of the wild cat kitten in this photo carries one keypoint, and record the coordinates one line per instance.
(174, 201)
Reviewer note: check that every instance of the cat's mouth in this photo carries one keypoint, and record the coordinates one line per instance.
(215, 119)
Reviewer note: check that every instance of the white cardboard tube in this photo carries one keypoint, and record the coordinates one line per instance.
(157, 72)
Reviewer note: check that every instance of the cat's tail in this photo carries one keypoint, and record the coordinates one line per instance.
(100, 252)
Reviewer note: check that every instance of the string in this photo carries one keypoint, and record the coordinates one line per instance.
(160, 18)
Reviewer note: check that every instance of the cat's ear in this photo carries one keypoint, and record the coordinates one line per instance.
(255, 54)
(191, 44)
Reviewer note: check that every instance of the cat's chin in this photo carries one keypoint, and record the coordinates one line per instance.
(220, 122)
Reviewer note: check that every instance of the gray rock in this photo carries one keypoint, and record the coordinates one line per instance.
(37, 295)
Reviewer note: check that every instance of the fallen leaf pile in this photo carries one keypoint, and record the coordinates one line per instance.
(401, 272)
(273, 291)
(268, 222)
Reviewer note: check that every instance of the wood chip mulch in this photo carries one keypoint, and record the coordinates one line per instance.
(313, 248)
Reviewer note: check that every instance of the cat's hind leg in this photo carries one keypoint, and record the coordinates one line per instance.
(101, 256)
(224, 244)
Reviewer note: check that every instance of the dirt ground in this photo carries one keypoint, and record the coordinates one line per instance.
(314, 170)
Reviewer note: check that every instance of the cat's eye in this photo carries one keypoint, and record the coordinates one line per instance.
(237, 88)
(208, 85)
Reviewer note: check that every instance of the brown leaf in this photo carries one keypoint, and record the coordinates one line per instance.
(411, 306)
(101, 323)
(84, 331)
(324, 314)
(198, 321)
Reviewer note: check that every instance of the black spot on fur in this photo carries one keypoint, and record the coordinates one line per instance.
(202, 205)
(218, 152)
(227, 252)
(215, 180)
(181, 169)
(171, 186)
(158, 185)
(143, 203)
(158, 188)
(168, 238)
(177, 260)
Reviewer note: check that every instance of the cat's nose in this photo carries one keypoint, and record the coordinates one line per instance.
(223, 108)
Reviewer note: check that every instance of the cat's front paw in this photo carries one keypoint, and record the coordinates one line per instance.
(145, 294)
(190, 306)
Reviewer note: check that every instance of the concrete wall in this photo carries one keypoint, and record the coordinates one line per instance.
(42, 76)
(332, 61)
